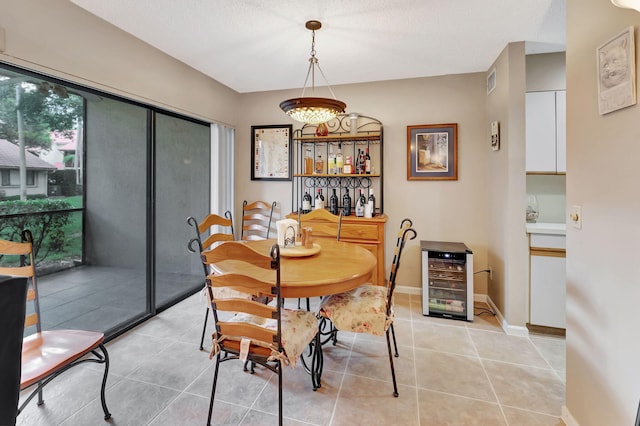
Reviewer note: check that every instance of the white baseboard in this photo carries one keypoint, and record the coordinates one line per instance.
(511, 330)
(567, 418)
(405, 289)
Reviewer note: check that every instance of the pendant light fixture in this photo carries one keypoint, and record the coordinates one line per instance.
(313, 110)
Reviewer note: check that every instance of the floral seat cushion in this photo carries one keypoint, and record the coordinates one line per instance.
(298, 330)
(362, 310)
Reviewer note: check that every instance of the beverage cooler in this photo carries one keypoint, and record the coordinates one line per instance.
(447, 280)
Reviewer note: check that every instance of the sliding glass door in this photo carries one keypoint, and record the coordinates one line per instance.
(182, 187)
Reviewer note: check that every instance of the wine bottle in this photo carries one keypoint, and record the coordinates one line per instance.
(358, 161)
(306, 202)
(367, 162)
(360, 202)
(346, 203)
(372, 202)
(319, 200)
(333, 203)
(339, 160)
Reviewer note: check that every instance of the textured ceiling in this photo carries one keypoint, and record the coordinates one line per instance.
(259, 45)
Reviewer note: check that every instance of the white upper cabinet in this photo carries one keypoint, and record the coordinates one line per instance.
(546, 132)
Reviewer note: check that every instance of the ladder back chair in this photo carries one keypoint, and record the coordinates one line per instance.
(47, 354)
(325, 225)
(256, 220)
(217, 235)
(269, 335)
(369, 308)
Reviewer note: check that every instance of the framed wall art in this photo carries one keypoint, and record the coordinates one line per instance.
(617, 72)
(432, 152)
(271, 152)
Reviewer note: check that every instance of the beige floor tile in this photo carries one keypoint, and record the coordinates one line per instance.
(501, 347)
(364, 401)
(300, 402)
(535, 389)
(553, 350)
(451, 373)
(443, 338)
(439, 409)
(517, 417)
(371, 359)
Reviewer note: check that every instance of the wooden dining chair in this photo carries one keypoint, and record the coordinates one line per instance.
(256, 220)
(269, 335)
(47, 354)
(369, 308)
(324, 225)
(222, 232)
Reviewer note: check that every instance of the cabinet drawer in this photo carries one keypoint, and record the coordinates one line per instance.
(548, 241)
(353, 231)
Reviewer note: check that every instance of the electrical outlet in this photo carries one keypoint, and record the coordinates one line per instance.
(576, 217)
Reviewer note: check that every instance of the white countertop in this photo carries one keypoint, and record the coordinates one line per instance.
(547, 228)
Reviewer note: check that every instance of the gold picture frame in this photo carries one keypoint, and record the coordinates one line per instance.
(432, 152)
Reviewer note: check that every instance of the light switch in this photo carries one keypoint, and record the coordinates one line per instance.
(576, 217)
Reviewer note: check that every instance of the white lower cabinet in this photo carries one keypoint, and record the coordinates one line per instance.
(548, 288)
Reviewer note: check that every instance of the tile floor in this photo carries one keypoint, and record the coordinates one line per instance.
(449, 373)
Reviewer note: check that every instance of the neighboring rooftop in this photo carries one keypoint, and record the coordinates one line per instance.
(10, 158)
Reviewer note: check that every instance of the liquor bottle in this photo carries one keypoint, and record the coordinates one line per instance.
(367, 162)
(360, 202)
(331, 161)
(333, 203)
(319, 165)
(339, 160)
(372, 202)
(308, 162)
(306, 202)
(319, 200)
(346, 203)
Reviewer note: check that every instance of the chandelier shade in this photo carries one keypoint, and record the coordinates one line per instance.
(313, 110)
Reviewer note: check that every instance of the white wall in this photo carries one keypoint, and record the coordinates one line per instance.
(603, 289)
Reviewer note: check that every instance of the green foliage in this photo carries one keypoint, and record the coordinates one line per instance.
(42, 112)
(45, 223)
(66, 180)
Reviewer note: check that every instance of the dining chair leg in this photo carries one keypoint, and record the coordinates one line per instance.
(279, 392)
(204, 328)
(395, 345)
(393, 372)
(213, 389)
(317, 363)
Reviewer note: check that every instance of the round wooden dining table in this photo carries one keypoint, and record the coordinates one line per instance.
(336, 268)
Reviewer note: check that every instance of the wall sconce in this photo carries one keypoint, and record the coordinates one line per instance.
(627, 4)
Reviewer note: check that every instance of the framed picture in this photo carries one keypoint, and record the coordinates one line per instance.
(617, 73)
(432, 152)
(271, 152)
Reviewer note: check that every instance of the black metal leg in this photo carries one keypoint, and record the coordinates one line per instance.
(393, 372)
(279, 393)
(107, 414)
(213, 388)
(40, 398)
(204, 328)
(395, 345)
